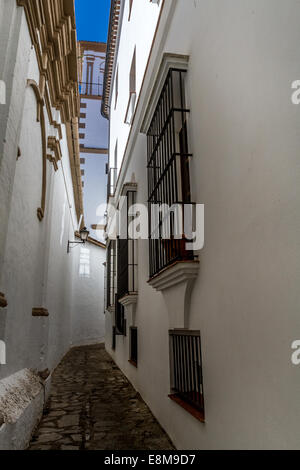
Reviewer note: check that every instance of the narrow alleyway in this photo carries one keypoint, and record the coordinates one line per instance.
(94, 407)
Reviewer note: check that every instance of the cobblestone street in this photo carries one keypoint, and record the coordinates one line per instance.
(93, 407)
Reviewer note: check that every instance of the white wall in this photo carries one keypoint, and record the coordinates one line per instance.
(88, 307)
(36, 270)
(245, 143)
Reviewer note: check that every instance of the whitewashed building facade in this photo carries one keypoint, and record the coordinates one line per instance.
(93, 136)
(198, 95)
(50, 299)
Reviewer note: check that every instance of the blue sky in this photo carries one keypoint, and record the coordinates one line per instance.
(92, 18)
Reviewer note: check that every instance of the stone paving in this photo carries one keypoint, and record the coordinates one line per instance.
(94, 407)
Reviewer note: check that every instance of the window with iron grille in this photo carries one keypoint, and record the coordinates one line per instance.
(168, 171)
(113, 344)
(133, 346)
(120, 320)
(186, 369)
(111, 274)
(127, 249)
(112, 174)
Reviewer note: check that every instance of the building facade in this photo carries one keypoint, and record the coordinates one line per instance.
(51, 298)
(197, 94)
(93, 135)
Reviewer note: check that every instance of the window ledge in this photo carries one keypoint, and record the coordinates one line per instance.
(189, 408)
(129, 299)
(177, 273)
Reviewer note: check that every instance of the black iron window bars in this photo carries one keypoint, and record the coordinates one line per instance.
(113, 344)
(126, 260)
(168, 171)
(186, 367)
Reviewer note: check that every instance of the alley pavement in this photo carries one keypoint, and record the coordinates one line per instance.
(94, 407)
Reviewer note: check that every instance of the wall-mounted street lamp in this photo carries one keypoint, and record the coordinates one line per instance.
(84, 233)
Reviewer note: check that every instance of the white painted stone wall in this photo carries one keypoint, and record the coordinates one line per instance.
(138, 32)
(244, 135)
(96, 132)
(35, 269)
(88, 324)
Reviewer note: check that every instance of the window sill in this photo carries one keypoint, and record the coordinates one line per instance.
(199, 415)
(176, 273)
(129, 299)
(176, 284)
(133, 363)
